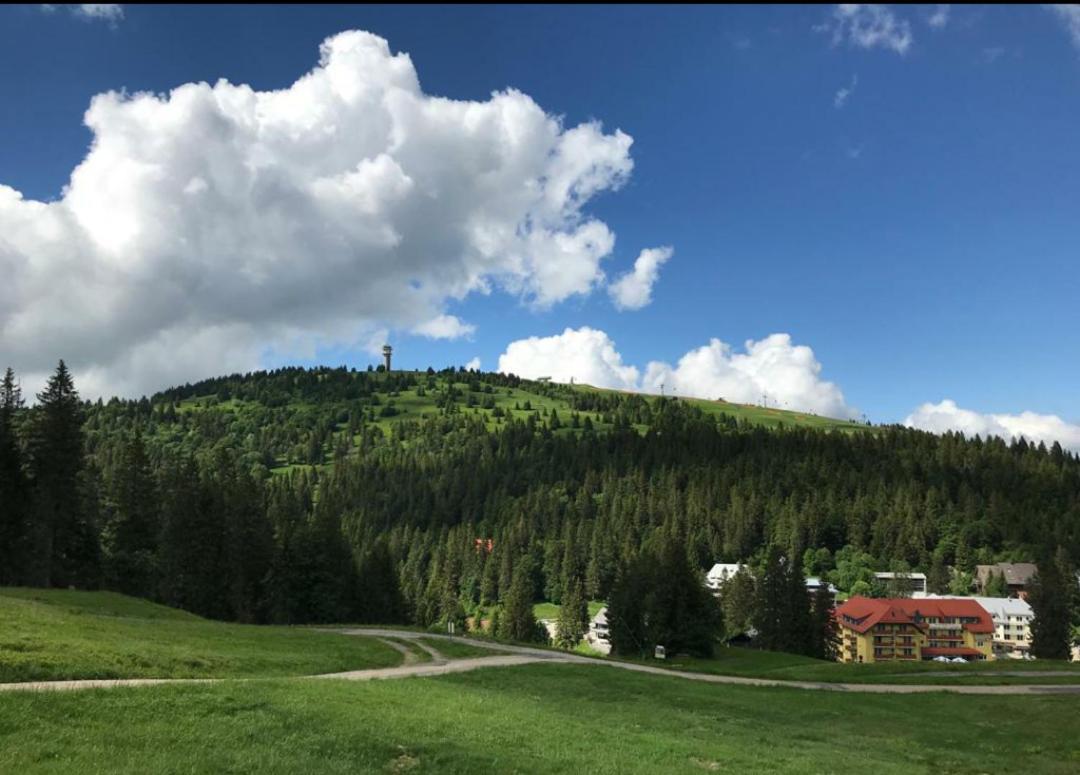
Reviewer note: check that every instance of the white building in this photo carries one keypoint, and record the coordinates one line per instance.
(597, 637)
(1012, 623)
(720, 573)
(723, 571)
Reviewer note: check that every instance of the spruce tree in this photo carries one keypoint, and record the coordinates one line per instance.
(14, 487)
(1050, 595)
(516, 620)
(130, 535)
(65, 550)
(573, 621)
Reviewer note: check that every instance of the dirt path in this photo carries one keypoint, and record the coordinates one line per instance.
(508, 656)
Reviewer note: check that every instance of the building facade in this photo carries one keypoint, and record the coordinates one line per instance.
(905, 629)
(1012, 623)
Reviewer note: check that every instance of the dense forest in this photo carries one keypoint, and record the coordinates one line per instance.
(315, 495)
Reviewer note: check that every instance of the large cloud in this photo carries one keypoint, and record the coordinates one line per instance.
(783, 374)
(947, 416)
(217, 224)
(584, 355)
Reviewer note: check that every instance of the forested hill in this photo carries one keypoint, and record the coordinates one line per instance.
(328, 494)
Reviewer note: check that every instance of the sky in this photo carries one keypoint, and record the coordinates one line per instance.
(858, 211)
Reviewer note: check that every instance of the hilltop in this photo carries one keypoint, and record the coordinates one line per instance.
(294, 416)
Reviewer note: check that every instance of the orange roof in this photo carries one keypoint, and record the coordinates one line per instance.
(862, 613)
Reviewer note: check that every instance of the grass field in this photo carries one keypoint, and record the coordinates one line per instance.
(537, 719)
(791, 667)
(550, 611)
(59, 634)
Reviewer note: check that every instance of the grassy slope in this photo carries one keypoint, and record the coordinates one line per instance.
(550, 611)
(539, 718)
(59, 634)
(792, 667)
(412, 407)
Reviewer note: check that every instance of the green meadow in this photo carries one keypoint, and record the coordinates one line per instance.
(48, 635)
(536, 719)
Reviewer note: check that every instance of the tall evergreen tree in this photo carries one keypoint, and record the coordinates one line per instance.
(130, 535)
(516, 620)
(65, 549)
(14, 487)
(573, 620)
(1050, 595)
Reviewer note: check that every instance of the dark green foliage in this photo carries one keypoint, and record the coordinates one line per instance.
(783, 616)
(660, 600)
(823, 628)
(573, 620)
(516, 620)
(130, 533)
(738, 598)
(576, 482)
(996, 585)
(1052, 594)
(15, 502)
(63, 548)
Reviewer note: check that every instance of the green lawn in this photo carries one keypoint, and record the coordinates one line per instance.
(536, 719)
(60, 634)
(791, 667)
(550, 611)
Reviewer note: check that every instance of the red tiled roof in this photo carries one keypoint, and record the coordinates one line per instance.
(902, 610)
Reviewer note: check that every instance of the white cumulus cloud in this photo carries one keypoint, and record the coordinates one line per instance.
(215, 224)
(947, 416)
(1069, 14)
(633, 290)
(583, 355)
(773, 370)
(473, 365)
(868, 26)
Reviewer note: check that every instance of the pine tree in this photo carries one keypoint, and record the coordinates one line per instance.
(625, 610)
(14, 487)
(1050, 595)
(771, 611)
(573, 621)
(65, 549)
(130, 535)
(824, 633)
(516, 621)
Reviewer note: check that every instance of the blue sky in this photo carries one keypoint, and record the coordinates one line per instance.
(921, 237)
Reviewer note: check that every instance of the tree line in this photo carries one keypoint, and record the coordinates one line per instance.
(190, 497)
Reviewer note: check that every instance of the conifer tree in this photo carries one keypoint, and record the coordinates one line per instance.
(1050, 595)
(516, 620)
(130, 535)
(65, 549)
(573, 621)
(14, 487)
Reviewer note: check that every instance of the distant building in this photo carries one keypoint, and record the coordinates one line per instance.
(724, 571)
(721, 572)
(1012, 623)
(914, 582)
(907, 629)
(1017, 576)
(598, 636)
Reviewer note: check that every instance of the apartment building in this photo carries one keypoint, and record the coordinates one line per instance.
(906, 629)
